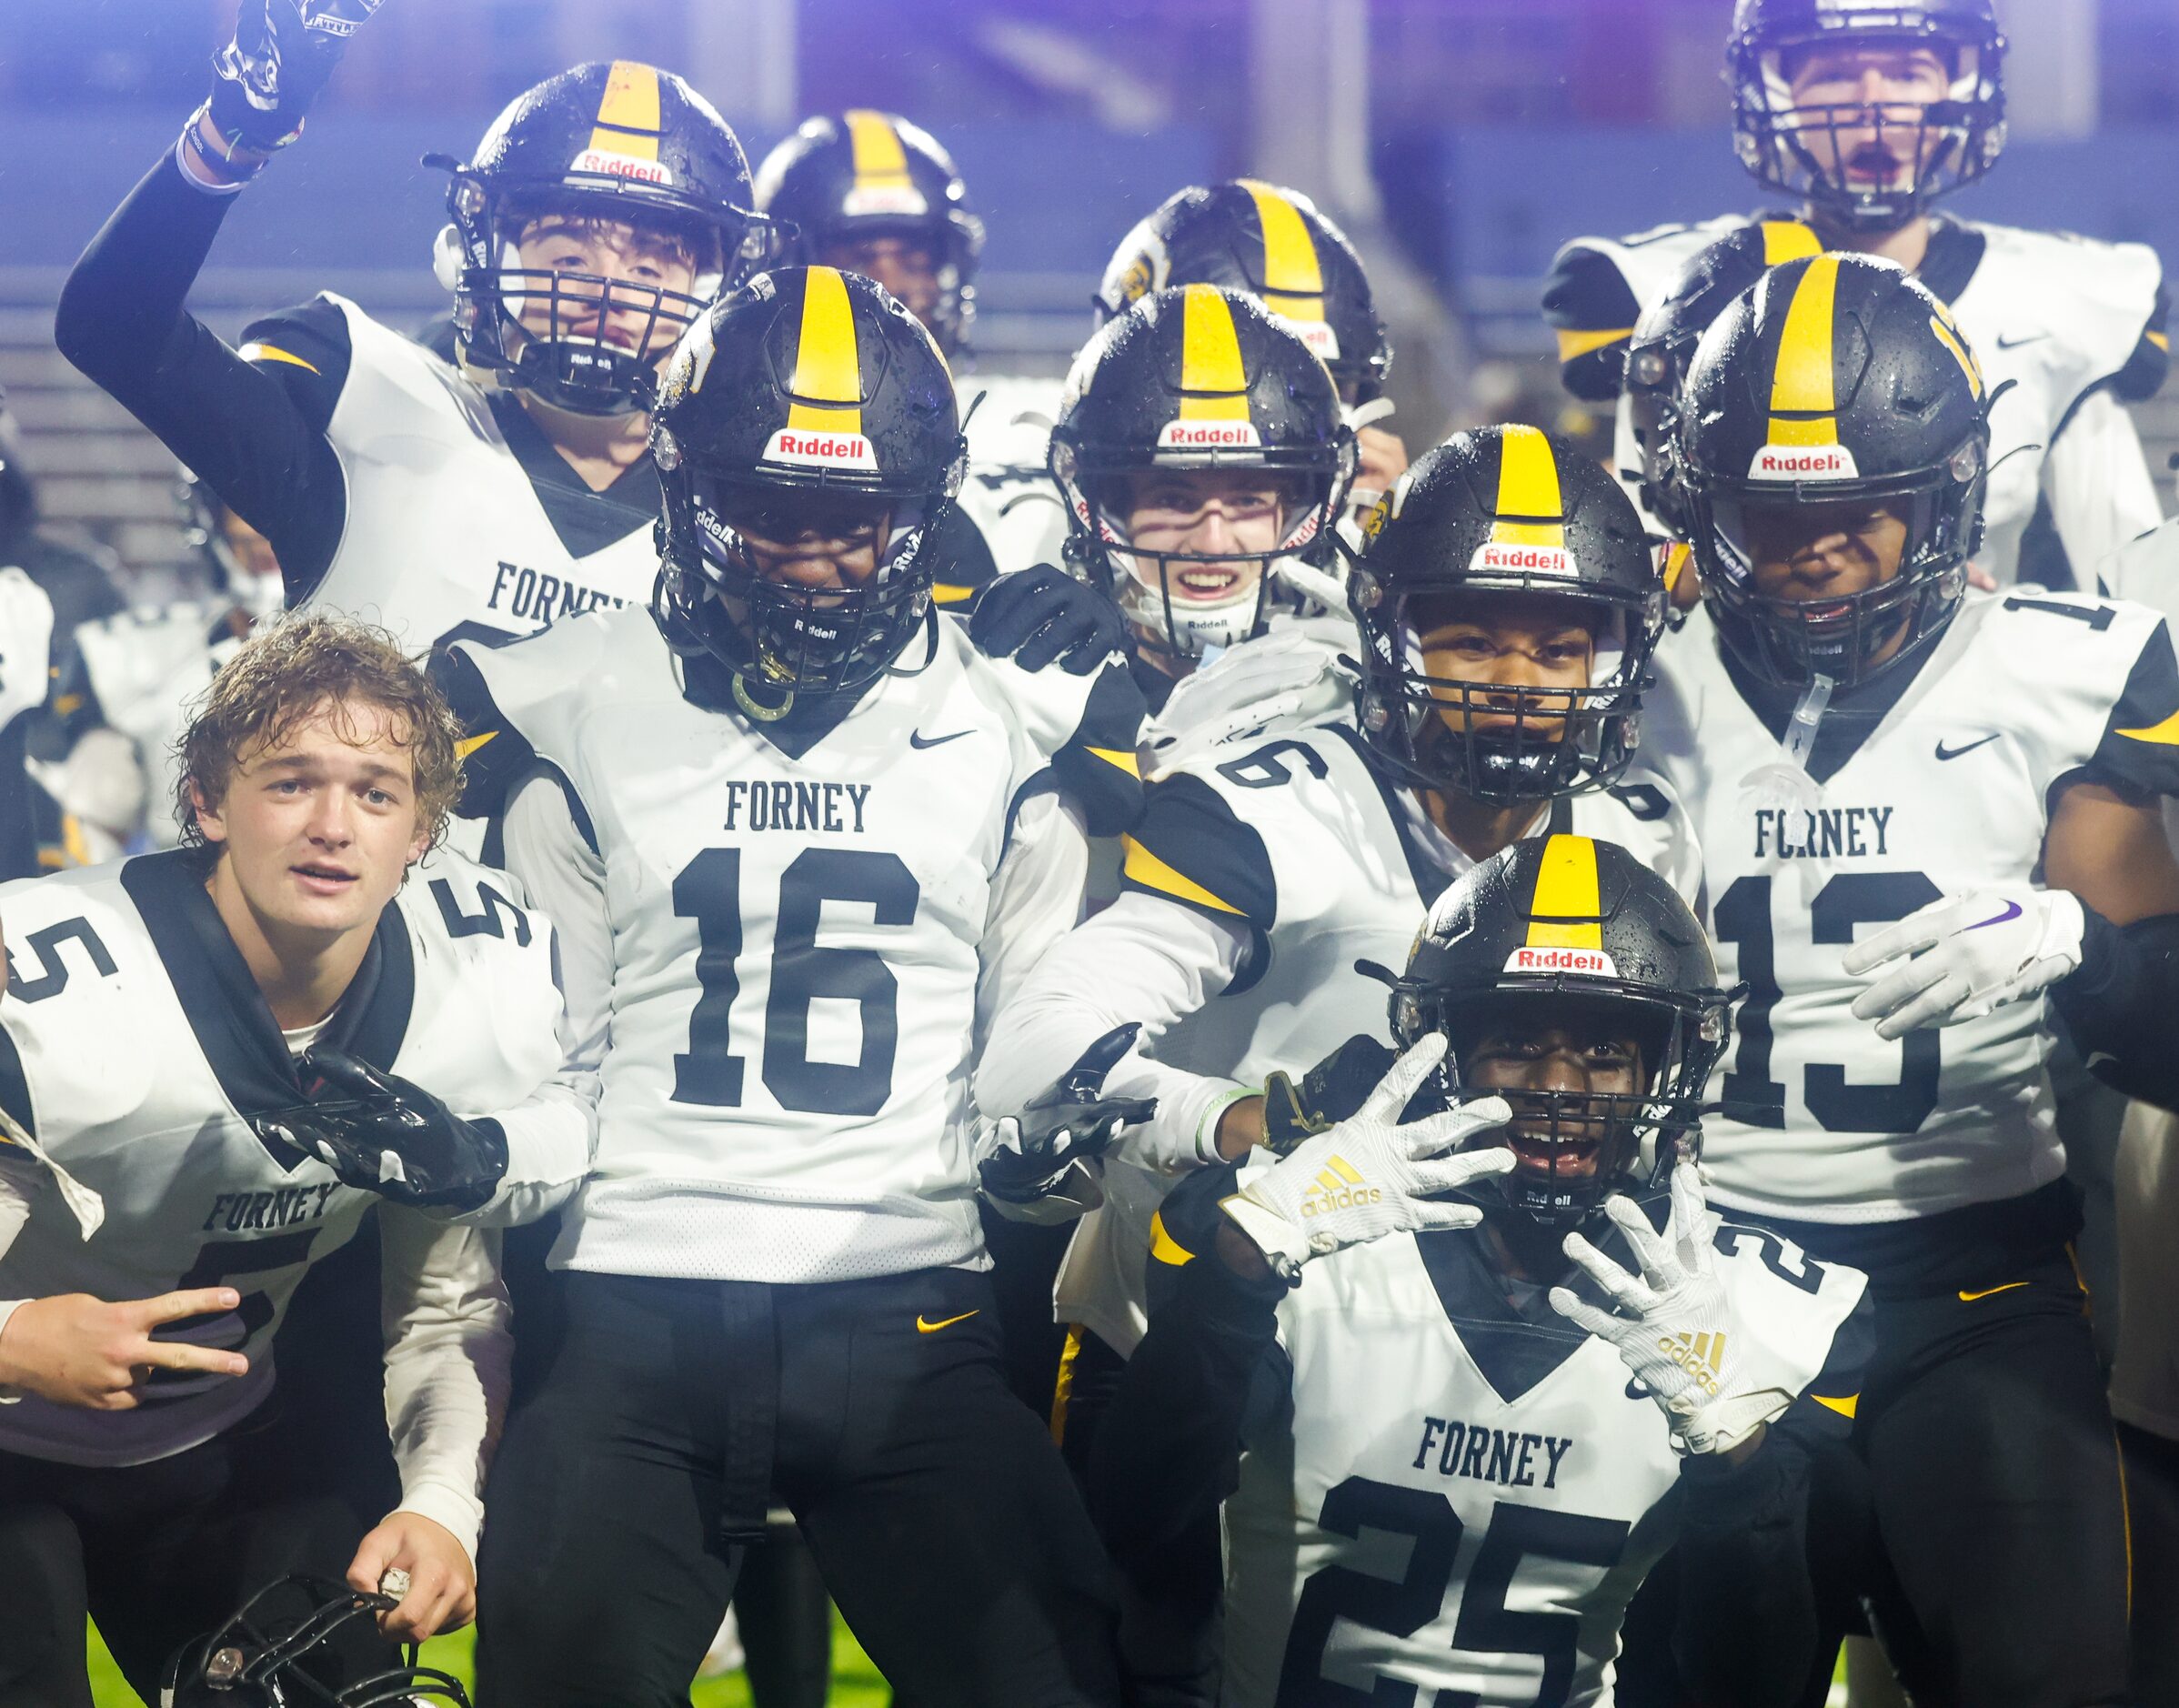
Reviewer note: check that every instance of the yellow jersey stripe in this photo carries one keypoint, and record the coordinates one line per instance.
(949, 593)
(1845, 1408)
(828, 372)
(469, 744)
(1574, 345)
(1210, 358)
(1164, 1248)
(1122, 757)
(1293, 276)
(256, 351)
(1152, 873)
(1803, 394)
(628, 115)
(2163, 734)
(1528, 488)
(1567, 902)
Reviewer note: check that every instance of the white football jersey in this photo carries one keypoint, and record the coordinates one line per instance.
(1009, 493)
(446, 537)
(1328, 864)
(25, 644)
(136, 1050)
(1953, 787)
(2053, 320)
(148, 668)
(1457, 1502)
(797, 927)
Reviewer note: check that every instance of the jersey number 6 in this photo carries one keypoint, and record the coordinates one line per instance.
(708, 890)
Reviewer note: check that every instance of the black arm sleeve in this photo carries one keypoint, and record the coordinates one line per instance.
(2118, 1004)
(1168, 1451)
(255, 435)
(1747, 1623)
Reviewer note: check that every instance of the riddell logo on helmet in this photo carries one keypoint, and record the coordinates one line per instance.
(899, 200)
(820, 450)
(1494, 558)
(1593, 961)
(1207, 435)
(1316, 334)
(622, 167)
(1803, 462)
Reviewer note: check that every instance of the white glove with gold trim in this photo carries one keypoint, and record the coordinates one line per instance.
(1370, 1175)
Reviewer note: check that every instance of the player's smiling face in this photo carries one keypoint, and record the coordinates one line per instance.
(1575, 1054)
(1870, 99)
(1816, 554)
(820, 542)
(646, 256)
(1201, 515)
(1520, 654)
(316, 830)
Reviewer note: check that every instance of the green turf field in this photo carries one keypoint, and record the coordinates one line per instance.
(855, 1681)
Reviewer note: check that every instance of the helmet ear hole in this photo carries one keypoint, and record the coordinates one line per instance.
(446, 256)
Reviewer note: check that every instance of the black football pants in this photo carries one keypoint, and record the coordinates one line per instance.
(939, 1511)
(160, 1554)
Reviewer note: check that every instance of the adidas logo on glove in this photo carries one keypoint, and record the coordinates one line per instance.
(1338, 1187)
(1703, 1356)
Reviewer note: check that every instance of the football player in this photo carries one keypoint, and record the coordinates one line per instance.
(1247, 236)
(801, 840)
(25, 677)
(1202, 455)
(157, 1210)
(1867, 114)
(1401, 1355)
(869, 192)
(1920, 808)
(598, 214)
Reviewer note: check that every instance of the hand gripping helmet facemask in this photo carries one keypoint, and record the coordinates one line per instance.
(1665, 338)
(808, 407)
(860, 174)
(1486, 517)
(1198, 379)
(1863, 167)
(285, 1650)
(1273, 244)
(597, 146)
(1566, 931)
(1837, 381)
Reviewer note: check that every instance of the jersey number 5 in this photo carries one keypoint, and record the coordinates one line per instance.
(708, 890)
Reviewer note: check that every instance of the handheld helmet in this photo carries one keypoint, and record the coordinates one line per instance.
(1198, 379)
(275, 1653)
(1837, 379)
(618, 142)
(1664, 342)
(1273, 244)
(863, 174)
(1864, 167)
(1568, 930)
(255, 587)
(1505, 510)
(808, 395)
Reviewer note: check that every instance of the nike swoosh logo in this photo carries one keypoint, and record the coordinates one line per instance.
(2004, 343)
(1968, 1299)
(2013, 912)
(1944, 752)
(923, 1327)
(917, 738)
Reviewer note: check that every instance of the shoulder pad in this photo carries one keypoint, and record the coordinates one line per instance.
(2140, 747)
(449, 895)
(1800, 1320)
(2104, 302)
(1192, 846)
(1597, 289)
(1084, 727)
(518, 702)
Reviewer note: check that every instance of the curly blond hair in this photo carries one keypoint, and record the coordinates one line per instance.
(291, 668)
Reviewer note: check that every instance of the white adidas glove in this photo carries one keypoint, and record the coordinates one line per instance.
(1680, 1326)
(1369, 1175)
(1968, 955)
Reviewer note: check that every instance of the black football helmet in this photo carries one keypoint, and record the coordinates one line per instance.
(621, 142)
(1273, 244)
(1565, 927)
(204, 521)
(275, 1654)
(1196, 378)
(1837, 378)
(1665, 337)
(1797, 149)
(1506, 509)
(865, 173)
(810, 397)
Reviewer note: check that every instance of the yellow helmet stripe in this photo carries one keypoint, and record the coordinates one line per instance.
(881, 162)
(1528, 488)
(1948, 335)
(1786, 240)
(1210, 358)
(627, 117)
(1293, 277)
(827, 369)
(1803, 395)
(1565, 909)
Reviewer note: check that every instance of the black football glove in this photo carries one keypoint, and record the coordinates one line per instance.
(283, 52)
(387, 1136)
(1335, 1089)
(1046, 1166)
(1035, 616)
